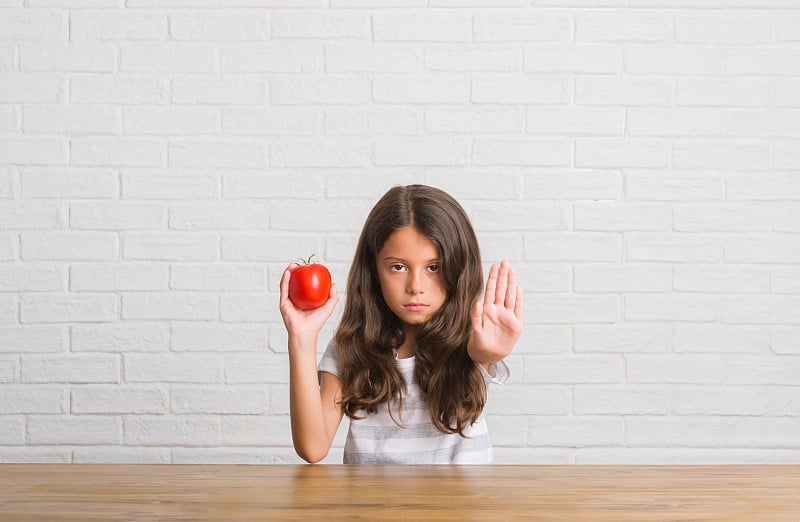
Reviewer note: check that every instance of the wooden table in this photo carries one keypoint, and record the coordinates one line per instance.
(72, 492)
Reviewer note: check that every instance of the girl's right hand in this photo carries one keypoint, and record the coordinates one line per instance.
(298, 321)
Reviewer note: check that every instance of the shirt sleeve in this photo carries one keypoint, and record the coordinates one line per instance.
(329, 361)
(498, 373)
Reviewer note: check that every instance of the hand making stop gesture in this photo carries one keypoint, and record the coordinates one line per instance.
(497, 320)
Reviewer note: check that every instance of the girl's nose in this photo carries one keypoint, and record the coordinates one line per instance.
(415, 284)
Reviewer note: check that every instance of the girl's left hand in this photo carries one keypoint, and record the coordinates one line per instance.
(497, 321)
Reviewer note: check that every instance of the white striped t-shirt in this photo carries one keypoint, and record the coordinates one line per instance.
(377, 439)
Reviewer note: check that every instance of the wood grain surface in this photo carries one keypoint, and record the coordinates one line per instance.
(109, 492)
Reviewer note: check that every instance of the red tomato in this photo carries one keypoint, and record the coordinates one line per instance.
(309, 285)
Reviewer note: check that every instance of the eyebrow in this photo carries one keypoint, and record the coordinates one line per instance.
(393, 258)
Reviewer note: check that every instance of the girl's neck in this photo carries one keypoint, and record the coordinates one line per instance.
(409, 346)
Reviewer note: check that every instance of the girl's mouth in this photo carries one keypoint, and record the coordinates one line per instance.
(415, 307)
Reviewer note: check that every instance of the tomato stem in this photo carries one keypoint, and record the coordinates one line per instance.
(304, 262)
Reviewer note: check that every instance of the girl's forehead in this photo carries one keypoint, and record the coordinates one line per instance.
(411, 242)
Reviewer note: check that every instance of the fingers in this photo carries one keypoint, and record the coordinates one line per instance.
(501, 287)
(491, 287)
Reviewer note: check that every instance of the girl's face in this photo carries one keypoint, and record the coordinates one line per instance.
(411, 282)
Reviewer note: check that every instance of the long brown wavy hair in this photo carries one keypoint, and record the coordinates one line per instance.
(368, 332)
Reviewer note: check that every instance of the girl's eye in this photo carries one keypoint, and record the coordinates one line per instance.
(433, 268)
(396, 268)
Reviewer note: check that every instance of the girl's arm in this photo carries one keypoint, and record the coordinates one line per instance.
(314, 407)
(497, 320)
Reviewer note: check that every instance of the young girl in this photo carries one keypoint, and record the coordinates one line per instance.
(415, 348)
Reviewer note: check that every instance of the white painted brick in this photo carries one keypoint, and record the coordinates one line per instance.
(259, 369)
(59, 182)
(623, 26)
(786, 92)
(459, 120)
(666, 185)
(508, 430)
(286, 121)
(675, 369)
(761, 309)
(544, 339)
(46, 118)
(421, 151)
(12, 430)
(676, 248)
(674, 122)
(785, 280)
(273, 247)
(721, 217)
(146, 430)
(226, 277)
(623, 278)
(40, 400)
(272, 57)
(784, 218)
(113, 25)
(325, 24)
(218, 400)
(94, 277)
(218, 216)
(377, 58)
(628, 91)
(8, 182)
(773, 248)
(581, 369)
(173, 305)
(786, 402)
(575, 121)
(326, 152)
(68, 308)
(31, 278)
(745, 432)
(100, 152)
(117, 215)
(514, 26)
(785, 155)
(71, 57)
(718, 92)
(156, 184)
(32, 339)
(8, 59)
(117, 89)
(165, 120)
(530, 152)
(119, 337)
(486, 58)
(719, 401)
(224, 90)
(543, 215)
(220, 154)
(763, 370)
(118, 400)
(630, 338)
(603, 400)
(611, 216)
(715, 29)
(370, 122)
(218, 337)
(34, 151)
(713, 338)
(403, 89)
(675, 60)
(573, 247)
(170, 246)
(73, 368)
(762, 61)
(785, 340)
(225, 456)
(572, 58)
(336, 214)
(257, 430)
(538, 400)
(372, 4)
(579, 431)
(120, 455)
(461, 184)
(511, 89)
(279, 399)
(219, 25)
(68, 429)
(671, 307)
(569, 184)
(31, 455)
(33, 24)
(31, 214)
(549, 309)
(724, 279)
(183, 368)
(430, 26)
(616, 153)
(274, 184)
(759, 124)
(74, 246)
(32, 87)
(172, 57)
(682, 456)
(9, 309)
(250, 307)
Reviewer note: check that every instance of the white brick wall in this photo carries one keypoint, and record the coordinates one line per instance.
(637, 160)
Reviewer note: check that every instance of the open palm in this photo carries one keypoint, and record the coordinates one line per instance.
(497, 320)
